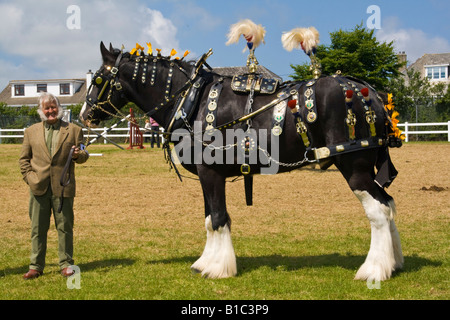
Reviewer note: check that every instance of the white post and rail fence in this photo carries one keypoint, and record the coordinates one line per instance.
(408, 129)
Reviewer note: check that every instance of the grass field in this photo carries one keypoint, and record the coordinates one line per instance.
(138, 229)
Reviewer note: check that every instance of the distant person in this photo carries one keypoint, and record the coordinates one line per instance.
(155, 133)
(46, 148)
(148, 128)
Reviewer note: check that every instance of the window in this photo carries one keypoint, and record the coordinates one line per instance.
(437, 72)
(42, 87)
(19, 89)
(64, 88)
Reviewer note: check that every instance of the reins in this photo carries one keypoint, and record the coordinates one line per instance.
(63, 181)
(171, 101)
(173, 97)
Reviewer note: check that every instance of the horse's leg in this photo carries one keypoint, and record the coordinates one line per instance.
(218, 259)
(385, 254)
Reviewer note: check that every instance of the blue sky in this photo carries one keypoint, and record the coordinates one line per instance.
(37, 43)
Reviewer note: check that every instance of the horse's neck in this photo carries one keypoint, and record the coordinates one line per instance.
(164, 116)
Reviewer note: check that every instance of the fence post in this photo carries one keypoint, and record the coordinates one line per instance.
(104, 130)
(406, 132)
(448, 129)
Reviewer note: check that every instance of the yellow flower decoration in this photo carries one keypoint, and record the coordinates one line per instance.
(393, 117)
(136, 50)
(149, 51)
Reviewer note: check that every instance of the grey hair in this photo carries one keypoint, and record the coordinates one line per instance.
(48, 97)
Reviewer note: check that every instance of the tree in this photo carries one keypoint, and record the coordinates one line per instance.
(443, 107)
(417, 100)
(357, 53)
(15, 118)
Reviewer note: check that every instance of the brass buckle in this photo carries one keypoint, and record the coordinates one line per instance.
(245, 168)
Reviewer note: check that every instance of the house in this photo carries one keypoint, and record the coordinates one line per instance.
(433, 66)
(26, 92)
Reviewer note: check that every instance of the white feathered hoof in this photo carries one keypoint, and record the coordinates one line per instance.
(218, 259)
(385, 253)
(374, 271)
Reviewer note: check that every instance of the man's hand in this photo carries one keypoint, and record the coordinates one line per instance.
(76, 152)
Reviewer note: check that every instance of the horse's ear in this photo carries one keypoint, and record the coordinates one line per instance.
(107, 56)
(111, 48)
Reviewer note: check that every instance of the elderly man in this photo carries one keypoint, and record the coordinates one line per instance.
(45, 151)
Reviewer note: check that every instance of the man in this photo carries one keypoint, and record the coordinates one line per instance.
(45, 151)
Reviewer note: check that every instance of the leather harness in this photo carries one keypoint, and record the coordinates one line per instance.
(186, 99)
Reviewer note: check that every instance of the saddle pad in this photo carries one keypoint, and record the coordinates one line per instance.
(243, 83)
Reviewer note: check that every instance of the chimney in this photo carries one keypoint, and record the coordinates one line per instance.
(402, 59)
(89, 76)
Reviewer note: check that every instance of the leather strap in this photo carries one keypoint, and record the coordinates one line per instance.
(211, 105)
(63, 181)
(310, 101)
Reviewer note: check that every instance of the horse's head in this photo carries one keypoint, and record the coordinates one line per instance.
(148, 81)
(105, 95)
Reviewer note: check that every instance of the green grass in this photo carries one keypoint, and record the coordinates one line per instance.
(138, 230)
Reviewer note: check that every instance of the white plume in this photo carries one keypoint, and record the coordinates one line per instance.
(306, 38)
(251, 31)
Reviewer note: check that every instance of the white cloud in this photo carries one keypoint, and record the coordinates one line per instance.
(414, 42)
(160, 31)
(35, 41)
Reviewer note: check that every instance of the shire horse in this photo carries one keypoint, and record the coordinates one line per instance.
(179, 94)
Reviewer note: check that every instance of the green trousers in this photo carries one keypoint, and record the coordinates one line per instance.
(40, 210)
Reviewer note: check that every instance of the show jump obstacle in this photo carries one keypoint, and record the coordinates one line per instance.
(136, 136)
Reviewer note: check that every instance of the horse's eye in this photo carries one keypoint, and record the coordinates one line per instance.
(98, 80)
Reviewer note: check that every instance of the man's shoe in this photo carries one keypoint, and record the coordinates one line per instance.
(32, 274)
(67, 272)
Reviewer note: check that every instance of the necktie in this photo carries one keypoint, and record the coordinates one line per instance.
(49, 139)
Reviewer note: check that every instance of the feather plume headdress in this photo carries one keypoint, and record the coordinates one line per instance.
(253, 33)
(306, 38)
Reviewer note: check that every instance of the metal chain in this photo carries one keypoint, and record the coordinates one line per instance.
(283, 164)
(207, 145)
(250, 102)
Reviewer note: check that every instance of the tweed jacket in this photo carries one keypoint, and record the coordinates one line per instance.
(39, 169)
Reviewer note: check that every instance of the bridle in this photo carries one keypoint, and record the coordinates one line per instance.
(101, 81)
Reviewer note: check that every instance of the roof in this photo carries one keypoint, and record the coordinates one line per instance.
(78, 97)
(231, 71)
(47, 81)
(431, 59)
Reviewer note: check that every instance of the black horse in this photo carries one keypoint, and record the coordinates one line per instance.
(224, 126)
